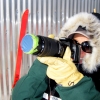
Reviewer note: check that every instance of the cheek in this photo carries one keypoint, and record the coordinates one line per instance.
(82, 54)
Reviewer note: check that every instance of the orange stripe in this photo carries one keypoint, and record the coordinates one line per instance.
(19, 52)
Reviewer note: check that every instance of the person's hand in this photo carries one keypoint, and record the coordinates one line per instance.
(51, 36)
(62, 70)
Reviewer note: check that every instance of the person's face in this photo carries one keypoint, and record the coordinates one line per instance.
(80, 38)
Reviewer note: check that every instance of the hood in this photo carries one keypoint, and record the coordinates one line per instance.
(92, 26)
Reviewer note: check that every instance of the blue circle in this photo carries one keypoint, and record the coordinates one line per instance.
(27, 43)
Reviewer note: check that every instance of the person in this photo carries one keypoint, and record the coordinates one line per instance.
(61, 77)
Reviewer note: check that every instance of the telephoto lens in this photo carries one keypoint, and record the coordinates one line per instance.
(41, 46)
(45, 46)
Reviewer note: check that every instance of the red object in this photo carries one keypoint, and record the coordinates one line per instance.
(24, 22)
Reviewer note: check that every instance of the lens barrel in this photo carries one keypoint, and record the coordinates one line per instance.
(41, 46)
(50, 47)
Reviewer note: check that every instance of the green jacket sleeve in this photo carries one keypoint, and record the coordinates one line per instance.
(84, 90)
(32, 85)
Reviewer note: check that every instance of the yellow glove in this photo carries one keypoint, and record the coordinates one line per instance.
(51, 36)
(62, 70)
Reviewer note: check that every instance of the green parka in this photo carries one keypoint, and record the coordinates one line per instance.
(33, 85)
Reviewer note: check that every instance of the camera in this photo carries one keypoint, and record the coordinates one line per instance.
(44, 46)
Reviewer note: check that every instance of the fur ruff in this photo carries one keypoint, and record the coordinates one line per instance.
(92, 24)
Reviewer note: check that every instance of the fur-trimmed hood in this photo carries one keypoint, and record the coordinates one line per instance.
(92, 26)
